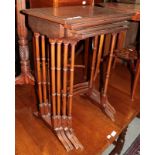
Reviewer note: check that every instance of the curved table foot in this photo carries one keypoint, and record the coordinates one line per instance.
(108, 108)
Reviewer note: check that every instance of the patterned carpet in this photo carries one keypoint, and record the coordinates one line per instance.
(134, 149)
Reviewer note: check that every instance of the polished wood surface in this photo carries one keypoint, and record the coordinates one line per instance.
(33, 137)
(71, 15)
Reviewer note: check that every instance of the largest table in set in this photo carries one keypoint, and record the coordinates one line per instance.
(56, 33)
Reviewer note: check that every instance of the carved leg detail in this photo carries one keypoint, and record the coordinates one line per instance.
(25, 77)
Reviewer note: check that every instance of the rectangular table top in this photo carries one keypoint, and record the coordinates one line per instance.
(77, 14)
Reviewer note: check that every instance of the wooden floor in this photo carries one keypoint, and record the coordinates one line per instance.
(90, 124)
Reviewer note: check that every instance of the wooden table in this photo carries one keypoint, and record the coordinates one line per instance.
(60, 29)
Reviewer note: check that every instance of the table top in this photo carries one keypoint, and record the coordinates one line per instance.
(76, 14)
(133, 8)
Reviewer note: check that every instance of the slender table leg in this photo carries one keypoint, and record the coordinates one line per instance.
(56, 118)
(38, 75)
(48, 67)
(137, 74)
(101, 97)
(70, 97)
(107, 107)
(64, 96)
(93, 62)
(44, 76)
(86, 55)
(99, 56)
(59, 79)
(25, 77)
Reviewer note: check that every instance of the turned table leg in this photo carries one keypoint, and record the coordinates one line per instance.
(96, 61)
(99, 56)
(25, 77)
(107, 107)
(86, 57)
(73, 138)
(62, 97)
(93, 62)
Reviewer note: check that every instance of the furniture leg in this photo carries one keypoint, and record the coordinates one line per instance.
(64, 96)
(99, 56)
(56, 118)
(25, 77)
(59, 91)
(107, 107)
(70, 97)
(137, 74)
(86, 55)
(38, 75)
(44, 81)
(93, 62)
(48, 79)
